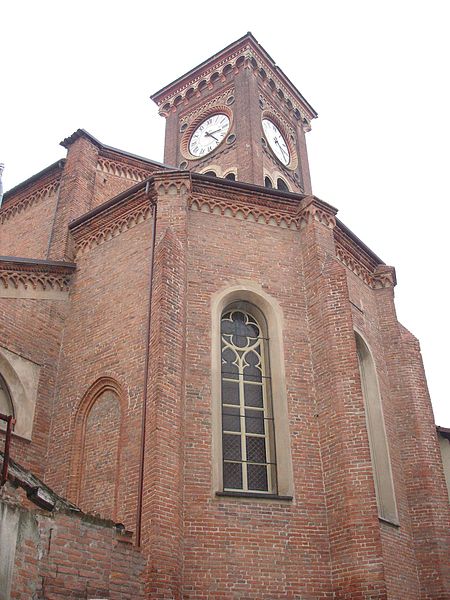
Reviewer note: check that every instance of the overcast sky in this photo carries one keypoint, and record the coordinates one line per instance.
(376, 72)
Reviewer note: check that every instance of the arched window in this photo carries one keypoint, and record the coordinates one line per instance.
(249, 395)
(19, 379)
(267, 182)
(210, 173)
(6, 405)
(231, 176)
(282, 185)
(248, 439)
(379, 450)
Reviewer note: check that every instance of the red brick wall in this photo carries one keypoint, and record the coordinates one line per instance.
(398, 546)
(26, 233)
(33, 329)
(328, 541)
(66, 556)
(118, 174)
(104, 337)
(251, 548)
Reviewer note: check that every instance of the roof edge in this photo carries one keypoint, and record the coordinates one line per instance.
(359, 242)
(160, 94)
(68, 141)
(58, 165)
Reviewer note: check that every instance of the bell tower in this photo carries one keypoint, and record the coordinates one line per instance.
(238, 116)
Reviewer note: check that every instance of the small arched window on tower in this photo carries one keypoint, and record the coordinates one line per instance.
(282, 185)
(231, 176)
(379, 449)
(6, 404)
(268, 182)
(210, 173)
(248, 443)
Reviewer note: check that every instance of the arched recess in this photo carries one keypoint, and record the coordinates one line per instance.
(268, 307)
(96, 452)
(20, 383)
(6, 405)
(379, 449)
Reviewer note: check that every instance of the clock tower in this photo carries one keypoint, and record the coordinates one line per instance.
(238, 116)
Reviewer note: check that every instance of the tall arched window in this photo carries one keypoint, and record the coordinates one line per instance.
(248, 439)
(6, 405)
(379, 450)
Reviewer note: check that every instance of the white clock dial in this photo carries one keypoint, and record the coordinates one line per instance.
(209, 134)
(276, 141)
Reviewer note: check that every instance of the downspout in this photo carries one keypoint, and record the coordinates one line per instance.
(146, 377)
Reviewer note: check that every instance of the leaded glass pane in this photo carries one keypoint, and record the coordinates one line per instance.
(254, 421)
(256, 449)
(230, 392)
(253, 394)
(232, 447)
(229, 367)
(231, 419)
(232, 476)
(257, 478)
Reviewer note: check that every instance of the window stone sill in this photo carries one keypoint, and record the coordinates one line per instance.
(395, 524)
(254, 495)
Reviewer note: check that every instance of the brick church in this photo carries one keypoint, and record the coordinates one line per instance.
(210, 391)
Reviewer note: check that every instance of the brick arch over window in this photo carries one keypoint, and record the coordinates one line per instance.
(251, 294)
(96, 459)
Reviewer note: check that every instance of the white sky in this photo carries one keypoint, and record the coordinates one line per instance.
(376, 72)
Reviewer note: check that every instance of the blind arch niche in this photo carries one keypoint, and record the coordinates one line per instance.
(379, 449)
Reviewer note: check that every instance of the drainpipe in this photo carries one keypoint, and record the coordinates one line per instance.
(146, 376)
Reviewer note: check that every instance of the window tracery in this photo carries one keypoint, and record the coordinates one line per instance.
(249, 463)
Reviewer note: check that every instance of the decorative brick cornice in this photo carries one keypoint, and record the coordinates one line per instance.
(20, 204)
(384, 277)
(244, 211)
(223, 98)
(245, 53)
(380, 277)
(122, 170)
(172, 186)
(312, 209)
(111, 223)
(355, 266)
(259, 206)
(33, 277)
(125, 211)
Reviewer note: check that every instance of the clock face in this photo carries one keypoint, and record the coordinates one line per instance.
(209, 134)
(276, 141)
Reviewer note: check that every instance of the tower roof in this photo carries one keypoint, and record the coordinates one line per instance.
(245, 48)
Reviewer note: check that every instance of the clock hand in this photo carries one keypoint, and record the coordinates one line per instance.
(280, 147)
(211, 135)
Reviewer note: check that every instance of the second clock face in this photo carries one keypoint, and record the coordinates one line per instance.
(209, 134)
(276, 141)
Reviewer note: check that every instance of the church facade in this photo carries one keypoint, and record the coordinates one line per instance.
(201, 351)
